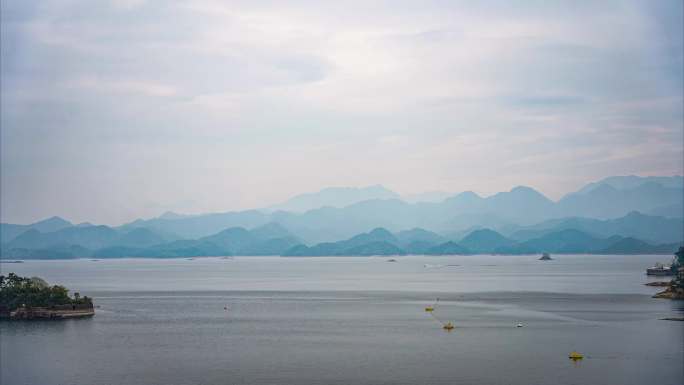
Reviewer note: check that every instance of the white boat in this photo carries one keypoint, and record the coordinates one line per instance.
(659, 269)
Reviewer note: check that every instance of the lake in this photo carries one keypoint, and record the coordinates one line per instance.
(351, 320)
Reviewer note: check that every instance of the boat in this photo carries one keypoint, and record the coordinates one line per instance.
(659, 269)
(429, 308)
(575, 356)
(519, 325)
(545, 257)
(448, 326)
(391, 260)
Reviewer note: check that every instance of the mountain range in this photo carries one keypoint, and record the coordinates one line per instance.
(379, 241)
(615, 215)
(521, 206)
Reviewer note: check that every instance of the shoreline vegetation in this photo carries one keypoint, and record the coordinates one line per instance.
(24, 298)
(675, 287)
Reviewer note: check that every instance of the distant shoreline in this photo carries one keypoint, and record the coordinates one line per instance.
(16, 260)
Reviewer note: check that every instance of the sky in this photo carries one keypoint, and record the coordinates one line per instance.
(116, 110)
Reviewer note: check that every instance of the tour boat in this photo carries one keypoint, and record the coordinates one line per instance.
(659, 269)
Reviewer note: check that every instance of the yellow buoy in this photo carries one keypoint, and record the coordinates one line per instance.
(448, 326)
(575, 356)
(429, 308)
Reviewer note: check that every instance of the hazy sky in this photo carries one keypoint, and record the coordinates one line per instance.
(125, 109)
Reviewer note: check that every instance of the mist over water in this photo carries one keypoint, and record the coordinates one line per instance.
(343, 320)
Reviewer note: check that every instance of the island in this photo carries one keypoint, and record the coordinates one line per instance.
(24, 298)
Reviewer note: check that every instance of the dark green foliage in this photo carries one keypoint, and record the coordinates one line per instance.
(16, 291)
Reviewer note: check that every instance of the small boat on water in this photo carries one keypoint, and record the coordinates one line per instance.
(448, 326)
(575, 356)
(659, 269)
(545, 257)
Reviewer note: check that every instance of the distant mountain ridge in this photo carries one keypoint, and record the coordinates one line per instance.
(10, 231)
(628, 182)
(273, 239)
(485, 241)
(106, 242)
(334, 197)
(650, 228)
(615, 206)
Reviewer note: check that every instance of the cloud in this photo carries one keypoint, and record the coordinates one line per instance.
(241, 104)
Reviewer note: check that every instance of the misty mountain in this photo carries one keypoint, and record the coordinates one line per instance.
(569, 241)
(10, 231)
(270, 239)
(521, 206)
(485, 241)
(675, 210)
(632, 181)
(379, 241)
(647, 227)
(196, 226)
(179, 248)
(631, 245)
(88, 237)
(272, 230)
(605, 201)
(54, 252)
(274, 240)
(333, 197)
(600, 210)
(572, 241)
(407, 237)
(448, 248)
(140, 237)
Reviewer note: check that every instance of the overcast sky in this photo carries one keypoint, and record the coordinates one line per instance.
(124, 109)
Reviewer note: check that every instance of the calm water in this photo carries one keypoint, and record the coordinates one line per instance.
(351, 321)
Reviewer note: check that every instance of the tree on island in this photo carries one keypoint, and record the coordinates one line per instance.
(678, 268)
(16, 291)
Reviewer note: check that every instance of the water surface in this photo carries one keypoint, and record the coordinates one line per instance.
(351, 320)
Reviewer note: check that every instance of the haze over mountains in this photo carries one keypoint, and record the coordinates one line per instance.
(616, 215)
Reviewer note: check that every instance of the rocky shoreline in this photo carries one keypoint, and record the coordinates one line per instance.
(51, 313)
(671, 293)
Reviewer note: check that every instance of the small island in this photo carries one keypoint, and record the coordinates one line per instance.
(23, 298)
